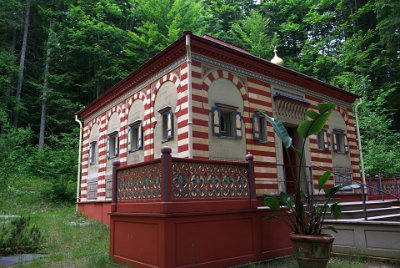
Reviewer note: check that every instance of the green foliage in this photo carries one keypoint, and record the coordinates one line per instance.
(15, 147)
(381, 146)
(280, 130)
(252, 34)
(305, 214)
(19, 236)
(323, 179)
(161, 22)
(56, 164)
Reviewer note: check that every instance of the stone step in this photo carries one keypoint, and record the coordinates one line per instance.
(355, 205)
(359, 213)
(388, 217)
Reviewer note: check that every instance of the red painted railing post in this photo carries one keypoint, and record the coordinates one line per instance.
(166, 167)
(252, 182)
(116, 164)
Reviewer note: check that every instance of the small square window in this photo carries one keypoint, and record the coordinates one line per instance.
(323, 140)
(167, 121)
(92, 153)
(340, 143)
(112, 145)
(135, 136)
(259, 127)
(226, 121)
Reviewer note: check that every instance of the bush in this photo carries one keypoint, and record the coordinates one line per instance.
(19, 236)
(57, 165)
(59, 191)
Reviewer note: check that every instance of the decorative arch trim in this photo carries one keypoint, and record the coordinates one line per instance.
(93, 122)
(217, 74)
(137, 96)
(168, 77)
(343, 113)
(114, 109)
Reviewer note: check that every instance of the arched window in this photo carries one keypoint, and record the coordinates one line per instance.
(112, 136)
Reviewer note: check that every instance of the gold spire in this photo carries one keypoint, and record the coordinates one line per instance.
(276, 60)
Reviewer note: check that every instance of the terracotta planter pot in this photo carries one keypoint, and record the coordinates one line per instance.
(312, 251)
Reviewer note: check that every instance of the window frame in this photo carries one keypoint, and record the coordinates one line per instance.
(92, 153)
(340, 141)
(260, 127)
(137, 140)
(115, 147)
(167, 124)
(226, 121)
(323, 140)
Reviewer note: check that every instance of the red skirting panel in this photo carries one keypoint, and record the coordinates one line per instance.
(206, 239)
(96, 210)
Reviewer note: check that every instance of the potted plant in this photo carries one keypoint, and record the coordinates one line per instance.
(306, 213)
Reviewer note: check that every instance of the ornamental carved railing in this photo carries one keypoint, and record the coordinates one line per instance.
(172, 179)
(140, 183)
(209, 180)
(381, 186)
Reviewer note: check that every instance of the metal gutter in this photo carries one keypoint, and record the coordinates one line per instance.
(78, 179)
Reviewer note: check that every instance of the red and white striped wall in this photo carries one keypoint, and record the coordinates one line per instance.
(257, 97)
(260, 99)
(147, 96)
(319, 158)
(324, 158)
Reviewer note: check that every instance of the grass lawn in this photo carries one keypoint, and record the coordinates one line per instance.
(71, 240)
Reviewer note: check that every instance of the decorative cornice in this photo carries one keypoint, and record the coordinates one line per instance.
(166, 57)
(138, 87)
(264, 78)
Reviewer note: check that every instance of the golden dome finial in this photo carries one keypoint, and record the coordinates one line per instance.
(276, 60)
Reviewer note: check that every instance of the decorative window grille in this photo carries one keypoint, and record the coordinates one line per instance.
(112, 145)
(259, 127)
(135, 136)
(226, 121)
(92, 190)
(343, 176)
(109, 187)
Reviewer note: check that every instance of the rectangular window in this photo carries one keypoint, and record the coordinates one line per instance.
(226, 121)
(135, 136)
(92, 190)
(343, 176)
(109, 187)
(112, 145)
(323, 140)
(167, 121)
(340, 143)
(92, 153)
(259, 127)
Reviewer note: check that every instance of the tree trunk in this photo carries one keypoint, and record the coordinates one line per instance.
(12, 51)
(8, 103)
(22, 64)
(45, 87)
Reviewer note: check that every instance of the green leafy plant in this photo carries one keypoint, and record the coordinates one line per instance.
(305, 213)
(19, 236)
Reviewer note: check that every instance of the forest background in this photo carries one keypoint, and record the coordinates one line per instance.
(56, 56)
